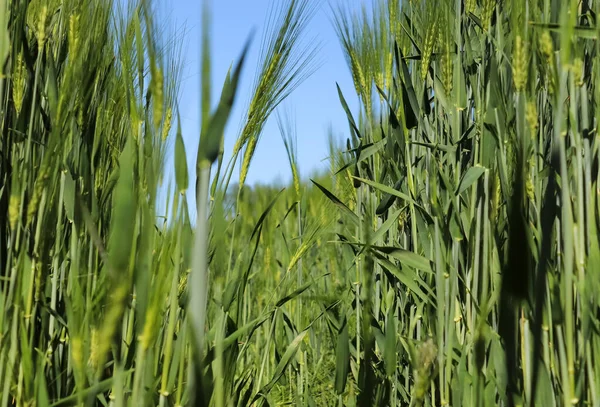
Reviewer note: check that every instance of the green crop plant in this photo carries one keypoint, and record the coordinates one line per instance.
(88, 90)
(449, 257)
(95, 300)
(476, 187)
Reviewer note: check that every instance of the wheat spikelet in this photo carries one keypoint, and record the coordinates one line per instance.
(94, 357)
(38, 189)
(547, 50)
(357, 74)
(239, 143)
(181, 286)
(402, 219)
(38, 282)
(267, 258)
(446, 61)
(393, 8)
(74, 37)
(296, 179)
(19, 75)
(520, 64)
(470, 6)
(496, 192)
(41, 27)
(78, 109)
(529, 188)
(546, 46)
(425, 365)
(430, 37)
(577, 70)
(167, 124)
(156, 87)
(247, 158)
(389, 66)
(531, 115)
(14, 207)
(256, 108)
(486, 15)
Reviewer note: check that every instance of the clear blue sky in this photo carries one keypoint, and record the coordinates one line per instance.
(315, 105)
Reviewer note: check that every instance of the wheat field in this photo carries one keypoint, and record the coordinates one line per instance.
(449, 257)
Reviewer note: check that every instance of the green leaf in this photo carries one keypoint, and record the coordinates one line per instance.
(544, 397)
(285, 361)
(469, 178)
(460, 87)
(385, 226)
(123, 221)
(42, 391)
(210, 142)
(436, 146)
(297, 292)
(389, 356)
(233, 338)
(388, 200)
(353, 217)
(409, 33)
(370, 149)
(406, 257)
(69, 197)
(409, 278)
(348, 112)
(409, 97)
(440, 94)
(231, 292)
(386, 189)
(456, 229)
(4, 35)
(342, 357)
(52, 86)
(394, 122)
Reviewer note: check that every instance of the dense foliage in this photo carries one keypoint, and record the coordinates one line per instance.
(450, 257)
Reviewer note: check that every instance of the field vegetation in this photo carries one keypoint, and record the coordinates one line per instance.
(450, 257)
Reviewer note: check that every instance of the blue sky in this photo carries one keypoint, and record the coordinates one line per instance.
(314, 105)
